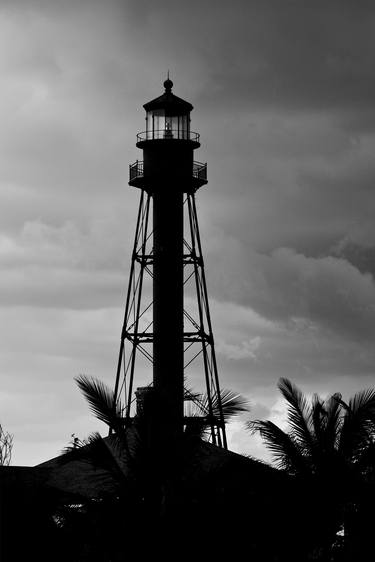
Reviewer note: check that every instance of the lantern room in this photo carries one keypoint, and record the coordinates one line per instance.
(168, 147)
(167, 117)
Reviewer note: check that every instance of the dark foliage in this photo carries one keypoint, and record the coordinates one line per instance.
(329, 450)
(155, 486)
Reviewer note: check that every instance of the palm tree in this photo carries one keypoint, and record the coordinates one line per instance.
(329, 449)
(147, 476)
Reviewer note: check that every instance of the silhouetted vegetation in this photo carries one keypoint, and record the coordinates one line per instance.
(329, 451)
(6, 447)
(107, 498)
(147, 485)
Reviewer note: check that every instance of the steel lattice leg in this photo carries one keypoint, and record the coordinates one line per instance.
(141, 263)
(217, 423)
(134, 339)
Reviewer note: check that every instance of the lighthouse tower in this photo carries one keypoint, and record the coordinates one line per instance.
(158, 323)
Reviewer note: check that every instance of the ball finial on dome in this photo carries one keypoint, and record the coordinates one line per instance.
(168, 84)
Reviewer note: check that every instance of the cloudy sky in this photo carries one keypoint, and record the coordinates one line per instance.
(284, 101)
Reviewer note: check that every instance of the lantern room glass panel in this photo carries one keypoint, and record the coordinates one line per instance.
(184, 126)
(162, 126)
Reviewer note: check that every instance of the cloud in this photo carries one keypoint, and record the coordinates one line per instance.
(298, 350)
(328, 292)
(67, 245)
(68, 266)
(245, 349)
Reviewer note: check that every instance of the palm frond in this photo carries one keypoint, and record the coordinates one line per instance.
(199, 423)
(189, 394)
(333, 422)
(363, 401)
(78, 447)
(100, 453)
(232, 404)
(358, 423)
(101, 401)
(317, 416)
(299, 414)
(227, 403)
(365, 462)
(285, 450)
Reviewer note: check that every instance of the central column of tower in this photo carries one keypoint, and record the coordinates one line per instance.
(168, 368)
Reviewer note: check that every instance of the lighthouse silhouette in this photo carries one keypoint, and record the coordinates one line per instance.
(158, 325)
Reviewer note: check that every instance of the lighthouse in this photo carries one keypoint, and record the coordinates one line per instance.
(167, 249)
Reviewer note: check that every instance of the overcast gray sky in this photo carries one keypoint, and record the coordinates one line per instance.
(284, 101)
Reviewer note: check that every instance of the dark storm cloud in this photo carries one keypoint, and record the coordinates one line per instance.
(361, 256)
(295, 54)
(303, 54)
(297, 170)
(286, 286)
